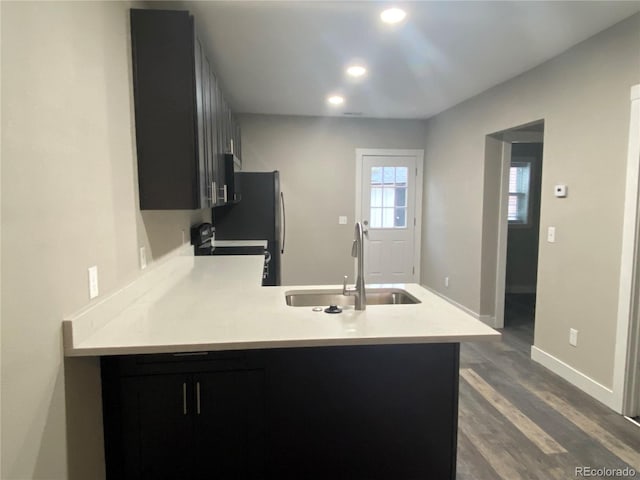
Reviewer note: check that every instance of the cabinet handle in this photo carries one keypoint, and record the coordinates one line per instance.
(198, 398)
(214, 193)
(224, 193)
(184, 398)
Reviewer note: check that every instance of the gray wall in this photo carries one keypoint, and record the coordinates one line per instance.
(69, 201)
(583, 97)
(522, 244)
(316, 158)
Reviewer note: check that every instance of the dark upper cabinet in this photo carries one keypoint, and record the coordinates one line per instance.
(179, 114)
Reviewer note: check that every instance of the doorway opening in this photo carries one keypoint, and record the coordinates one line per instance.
(523, 217)
(519, 231)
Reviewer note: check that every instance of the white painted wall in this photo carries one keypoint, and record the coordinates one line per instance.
(69, 201)
(583, 97)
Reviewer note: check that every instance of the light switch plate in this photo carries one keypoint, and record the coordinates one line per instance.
(93, 281)
(573, 337)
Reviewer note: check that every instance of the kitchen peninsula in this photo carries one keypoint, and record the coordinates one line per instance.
(206, 374)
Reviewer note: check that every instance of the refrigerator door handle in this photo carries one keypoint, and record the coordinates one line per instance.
(284, 223)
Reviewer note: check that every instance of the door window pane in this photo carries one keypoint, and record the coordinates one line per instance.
(400, 219)
(401, 196)
(376, 175)
(376, 218)
(387, 218)
(388, 197)
(376, 196)
(389, 175)
(388, 206)
(401, 175)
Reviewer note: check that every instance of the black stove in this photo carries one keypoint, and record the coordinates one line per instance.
(202, 237)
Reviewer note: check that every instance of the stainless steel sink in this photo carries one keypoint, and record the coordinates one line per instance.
(323, 298)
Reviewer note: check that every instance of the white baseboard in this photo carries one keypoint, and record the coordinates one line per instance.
(488, 319)
(575, 377)
(452, 302)
(560, 368)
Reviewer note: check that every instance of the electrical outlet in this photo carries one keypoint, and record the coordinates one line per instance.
(342, 220)
(446, 282)
(551, 234)
(184, 237)
(93, 282)
(573, 337)
(143, 258)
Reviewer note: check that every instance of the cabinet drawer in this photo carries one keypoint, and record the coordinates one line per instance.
(192, 362)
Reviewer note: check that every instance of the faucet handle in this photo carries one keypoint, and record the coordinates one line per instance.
(344, 286)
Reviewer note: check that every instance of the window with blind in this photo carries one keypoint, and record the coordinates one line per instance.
(519, 193)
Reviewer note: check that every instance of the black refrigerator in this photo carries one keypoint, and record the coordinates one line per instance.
(258, 215)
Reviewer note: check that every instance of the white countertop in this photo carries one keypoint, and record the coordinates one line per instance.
(218, 303)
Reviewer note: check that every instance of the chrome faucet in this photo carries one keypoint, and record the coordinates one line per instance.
(357, 251)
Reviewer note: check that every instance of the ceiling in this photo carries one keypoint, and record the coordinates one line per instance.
(286, 57)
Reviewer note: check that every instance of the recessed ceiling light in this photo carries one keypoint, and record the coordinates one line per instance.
(335, 100)
(356, 71)
(393, 15)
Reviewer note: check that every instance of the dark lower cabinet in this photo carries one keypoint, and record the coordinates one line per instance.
(228, 433)
(192, 425)
(156, 426)
(356, 413)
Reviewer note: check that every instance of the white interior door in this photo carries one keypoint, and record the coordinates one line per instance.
(389, 186)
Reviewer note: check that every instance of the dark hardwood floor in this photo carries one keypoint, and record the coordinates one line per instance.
(517, 420)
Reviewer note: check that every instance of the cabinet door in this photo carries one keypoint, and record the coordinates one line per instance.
(218, 164)
(228, 429)
(209, 132)
(163, 54)
(204, 181)
(219, 128)
(237, 141)
(157, 426)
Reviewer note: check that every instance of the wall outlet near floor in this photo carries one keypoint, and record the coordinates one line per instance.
(93, 282)
(143, 258)
(573, 337)
(446, 282)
